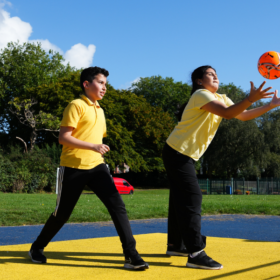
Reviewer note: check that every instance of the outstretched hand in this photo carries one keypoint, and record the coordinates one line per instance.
(259, 93)
(275, 102)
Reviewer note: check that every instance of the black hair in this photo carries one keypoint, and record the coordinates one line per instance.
(196, 74)
(88, 74)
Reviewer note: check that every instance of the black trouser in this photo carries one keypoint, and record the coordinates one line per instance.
(71, 184)
(184, 219)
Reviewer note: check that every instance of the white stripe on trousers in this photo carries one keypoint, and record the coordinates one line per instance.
(60, 180)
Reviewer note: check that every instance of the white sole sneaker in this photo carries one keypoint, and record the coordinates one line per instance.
(190, 265)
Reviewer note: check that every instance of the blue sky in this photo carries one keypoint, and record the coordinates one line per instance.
(135, 39)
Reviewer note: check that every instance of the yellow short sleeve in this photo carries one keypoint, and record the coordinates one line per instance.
(202, 97)
(71, 116)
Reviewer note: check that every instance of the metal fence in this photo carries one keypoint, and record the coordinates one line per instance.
(240, 186)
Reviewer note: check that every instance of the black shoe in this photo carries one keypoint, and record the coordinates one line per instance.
(136, 263)
(171, 251)
(37, 255)
(203, 261)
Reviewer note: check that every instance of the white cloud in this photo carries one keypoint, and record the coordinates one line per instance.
(5, 2)
(13, 29)
(47, 45)
(80, 55)
(128, 85)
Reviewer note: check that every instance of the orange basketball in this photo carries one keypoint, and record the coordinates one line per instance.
(269, 65)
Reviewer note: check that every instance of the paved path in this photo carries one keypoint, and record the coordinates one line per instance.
(253, 227)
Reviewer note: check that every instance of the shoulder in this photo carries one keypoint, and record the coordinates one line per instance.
(202, 93)
(202, 96)
(77, 105)
(78, 102)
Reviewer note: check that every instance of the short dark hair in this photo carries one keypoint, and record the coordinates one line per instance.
(88, 74)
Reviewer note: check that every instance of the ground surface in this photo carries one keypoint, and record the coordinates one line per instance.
(247, 246)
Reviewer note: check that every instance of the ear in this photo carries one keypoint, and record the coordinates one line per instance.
(199, 82)
(85, 84)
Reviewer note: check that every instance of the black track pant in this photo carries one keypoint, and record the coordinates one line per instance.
(184, 219)
(71, 184)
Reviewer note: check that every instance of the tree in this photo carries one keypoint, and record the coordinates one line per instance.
(162, 92)
(38, 122)
(239, 148)
(136, 131)
(269, 124)
(23, 67)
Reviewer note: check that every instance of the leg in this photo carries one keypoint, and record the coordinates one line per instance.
(174, 237)
(176, 246)
(103, 186)
(185, 197)
(71, 184)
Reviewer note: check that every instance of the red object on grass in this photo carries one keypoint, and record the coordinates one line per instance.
(123, 186)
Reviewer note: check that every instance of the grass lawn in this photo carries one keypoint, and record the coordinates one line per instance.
(30, 209)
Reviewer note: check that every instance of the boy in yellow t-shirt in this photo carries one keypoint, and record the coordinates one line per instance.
(81, 133)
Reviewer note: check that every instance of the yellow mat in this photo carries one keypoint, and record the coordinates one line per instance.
(101, 258)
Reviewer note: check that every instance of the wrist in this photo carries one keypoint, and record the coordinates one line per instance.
(271, 106)
(249, 99)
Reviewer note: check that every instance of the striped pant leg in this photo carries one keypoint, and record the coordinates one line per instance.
(71, 183)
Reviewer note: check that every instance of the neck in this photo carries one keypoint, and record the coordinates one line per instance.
(90, 98)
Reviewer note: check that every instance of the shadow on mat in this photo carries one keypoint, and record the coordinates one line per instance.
(225, 275)
(248, 240)
(22, 257)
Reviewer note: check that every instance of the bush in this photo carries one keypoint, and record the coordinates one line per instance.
(26, 172)
(7, 174)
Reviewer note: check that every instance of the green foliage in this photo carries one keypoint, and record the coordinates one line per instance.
(239, 148)
(162, 92)
(26, 172)
(136, 131)
(23, 67)
(53, 152)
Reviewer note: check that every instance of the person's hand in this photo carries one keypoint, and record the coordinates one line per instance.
(275, 102)
(101, 148)
(259, 93)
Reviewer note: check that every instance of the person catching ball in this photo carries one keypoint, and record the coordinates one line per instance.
(199, 120)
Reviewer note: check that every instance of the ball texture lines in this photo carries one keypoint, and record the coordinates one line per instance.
(269, 65)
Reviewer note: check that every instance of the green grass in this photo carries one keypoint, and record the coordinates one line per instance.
(30, 209)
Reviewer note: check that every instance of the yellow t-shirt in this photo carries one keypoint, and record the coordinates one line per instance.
(197, 128)
(89, 125)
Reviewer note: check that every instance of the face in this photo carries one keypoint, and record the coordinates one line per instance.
(209, 80)
(97, 88)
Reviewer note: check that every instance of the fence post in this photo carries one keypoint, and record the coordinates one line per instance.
(207, 185)
(243, 185)
(232, 191)
(258, 185)
(57, 174)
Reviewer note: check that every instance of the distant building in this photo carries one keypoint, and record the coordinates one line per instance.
(121, 169)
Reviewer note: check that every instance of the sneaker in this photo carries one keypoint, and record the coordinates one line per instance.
(203, 261)
(135, 263)
(37, 255)
(171, 251)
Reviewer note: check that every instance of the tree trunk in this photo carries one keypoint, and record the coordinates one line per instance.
(33, 138)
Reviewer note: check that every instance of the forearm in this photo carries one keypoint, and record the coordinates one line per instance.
(73, 142)
(236, 109)
(254, 113)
